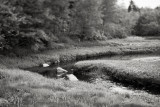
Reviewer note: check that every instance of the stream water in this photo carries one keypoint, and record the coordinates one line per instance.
(50, 72)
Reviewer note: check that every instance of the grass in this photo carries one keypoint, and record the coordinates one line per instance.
(139, 73)
(103, 48)
(25, 89)
(22, 88)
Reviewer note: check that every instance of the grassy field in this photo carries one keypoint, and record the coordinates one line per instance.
(20, 88)
(131, 45)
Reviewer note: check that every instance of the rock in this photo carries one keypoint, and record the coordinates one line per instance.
(61, 72)
(45, 65)
(71, 77)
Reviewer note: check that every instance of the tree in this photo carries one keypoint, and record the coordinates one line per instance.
(148, 23)
(108, 8)
(31, 23)
(133, 7)
(90, 16)
(87, 16)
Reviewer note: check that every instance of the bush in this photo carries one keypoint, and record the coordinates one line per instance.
(115, 31)
(94, 34)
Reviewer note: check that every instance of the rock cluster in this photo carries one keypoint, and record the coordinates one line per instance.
(62, 73)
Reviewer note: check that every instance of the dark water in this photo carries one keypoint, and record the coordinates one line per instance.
(92, 77)
(51, 70)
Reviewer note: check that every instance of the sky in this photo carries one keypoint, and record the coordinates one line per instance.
(140, 3)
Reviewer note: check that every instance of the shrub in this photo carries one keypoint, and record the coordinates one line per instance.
(94, 34)
(115, 31)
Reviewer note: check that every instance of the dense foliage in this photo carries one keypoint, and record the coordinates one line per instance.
(38, 24)
(148, 23)
(31, 24)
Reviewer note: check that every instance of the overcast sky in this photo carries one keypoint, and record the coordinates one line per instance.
(141, 3)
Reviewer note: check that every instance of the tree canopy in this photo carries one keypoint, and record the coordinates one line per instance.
(37, 24)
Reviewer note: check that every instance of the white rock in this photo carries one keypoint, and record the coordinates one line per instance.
(61, 70)
(45, 65)
(71, 77)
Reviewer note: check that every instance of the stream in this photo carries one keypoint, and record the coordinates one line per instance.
(50, 72)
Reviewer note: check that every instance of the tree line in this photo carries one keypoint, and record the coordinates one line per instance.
(37, 24)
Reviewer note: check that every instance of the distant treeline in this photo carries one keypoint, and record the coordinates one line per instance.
(38, 24)
(148, 23)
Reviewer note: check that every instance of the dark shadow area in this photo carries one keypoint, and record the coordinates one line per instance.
(149, 87)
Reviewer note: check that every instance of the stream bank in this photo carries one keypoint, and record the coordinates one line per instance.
(123, 70)
(138, 73)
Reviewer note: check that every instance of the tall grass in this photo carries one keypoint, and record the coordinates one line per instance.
(107, 48)
(25, 89)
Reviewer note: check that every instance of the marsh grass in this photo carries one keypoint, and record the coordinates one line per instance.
(25, 89)
(104, 48)
(21, 88)
(141, 74)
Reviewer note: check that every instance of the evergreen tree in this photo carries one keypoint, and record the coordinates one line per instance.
(133, 7)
